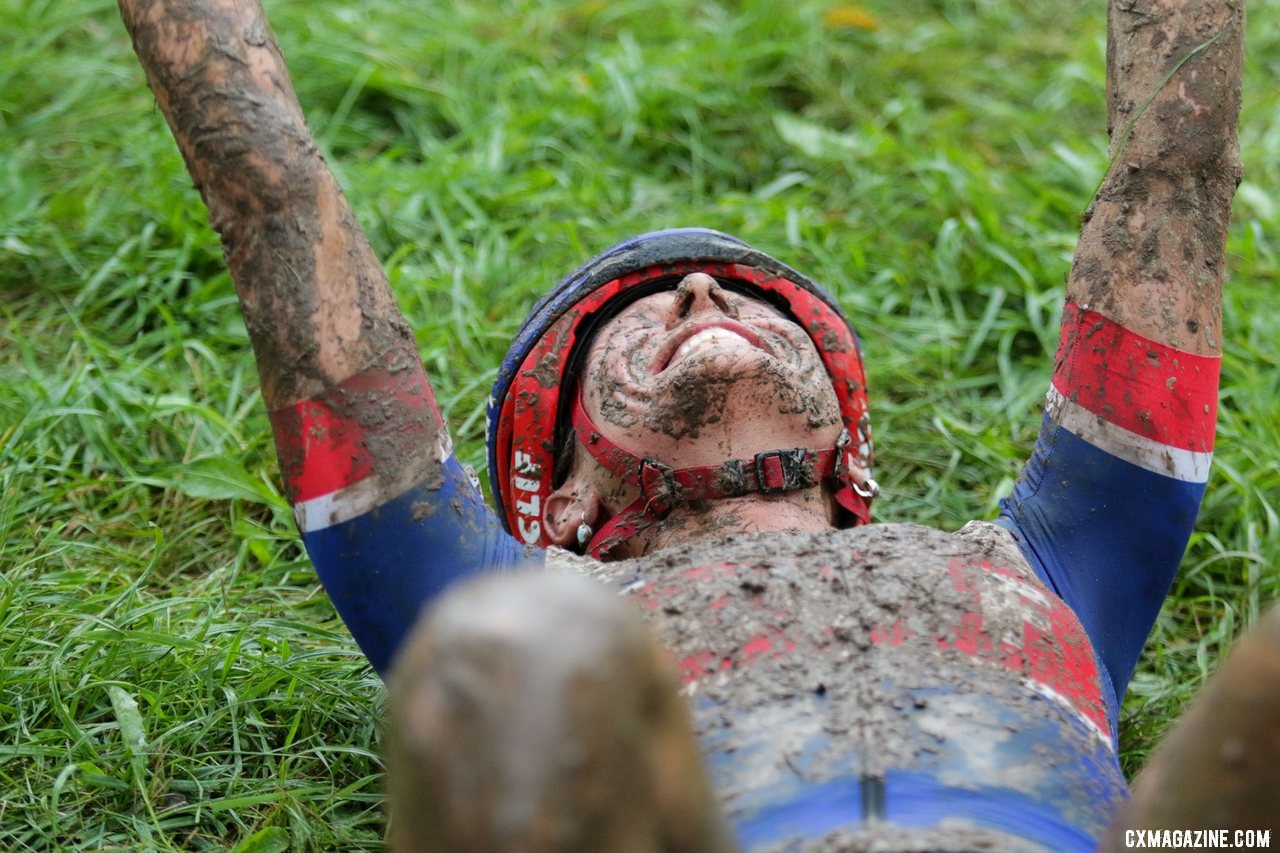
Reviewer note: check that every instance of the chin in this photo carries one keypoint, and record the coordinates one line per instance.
(739, 410)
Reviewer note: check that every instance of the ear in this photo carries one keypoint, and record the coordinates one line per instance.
(569, 506)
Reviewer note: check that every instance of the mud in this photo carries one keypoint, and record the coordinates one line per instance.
(547, 371)
(880, 649)
(590, 761)
(699, 399)
(1151, 251)
(314, 297)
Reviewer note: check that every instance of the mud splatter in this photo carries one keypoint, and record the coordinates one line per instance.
(817, 657)
(1152, 249)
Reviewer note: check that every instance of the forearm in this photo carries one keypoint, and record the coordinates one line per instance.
(1152, 248)
(315, 299)
(316, 303)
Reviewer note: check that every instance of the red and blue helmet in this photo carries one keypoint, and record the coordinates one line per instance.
(531, 405)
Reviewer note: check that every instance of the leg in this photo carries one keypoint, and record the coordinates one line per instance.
(1219, 767)
(533, 712)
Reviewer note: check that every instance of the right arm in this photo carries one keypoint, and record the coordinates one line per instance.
(387, 514)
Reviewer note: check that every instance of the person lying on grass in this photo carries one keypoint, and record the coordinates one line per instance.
(689, 415)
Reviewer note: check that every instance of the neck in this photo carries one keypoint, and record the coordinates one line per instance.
(702, 521)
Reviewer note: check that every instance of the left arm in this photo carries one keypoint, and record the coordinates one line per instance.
(1107, 503)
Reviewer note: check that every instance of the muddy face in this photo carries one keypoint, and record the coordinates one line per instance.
(701, 374)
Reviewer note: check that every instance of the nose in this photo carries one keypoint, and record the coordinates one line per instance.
(696, 293)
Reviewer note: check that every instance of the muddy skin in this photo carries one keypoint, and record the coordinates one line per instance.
(535, 713)
(714, 520)
(1151, 251)
(700, 402)
(706, 391)
(614, 411)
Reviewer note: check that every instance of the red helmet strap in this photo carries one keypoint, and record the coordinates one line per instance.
(662, 487)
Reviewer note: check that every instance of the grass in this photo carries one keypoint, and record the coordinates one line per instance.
(171, 675)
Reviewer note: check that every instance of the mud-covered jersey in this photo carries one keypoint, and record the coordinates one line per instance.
(886, 674)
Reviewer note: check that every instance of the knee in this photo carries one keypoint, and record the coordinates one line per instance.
(534, 712)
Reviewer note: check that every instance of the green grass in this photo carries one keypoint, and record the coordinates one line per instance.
(931, 173)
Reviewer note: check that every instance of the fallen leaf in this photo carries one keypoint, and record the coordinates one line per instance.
(849, 16)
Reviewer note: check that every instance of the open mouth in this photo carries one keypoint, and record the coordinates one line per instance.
(705, 336)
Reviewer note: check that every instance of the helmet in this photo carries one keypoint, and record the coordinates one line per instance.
(534, 406)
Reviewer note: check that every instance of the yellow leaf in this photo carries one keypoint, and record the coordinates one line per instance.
(849, 16)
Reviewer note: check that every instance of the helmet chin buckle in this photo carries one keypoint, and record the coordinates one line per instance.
(658, 486)
(662, 488)
(780, 471)
(869, 490)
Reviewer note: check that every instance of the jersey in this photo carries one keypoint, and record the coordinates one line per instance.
(886, 674)
(1101, 516)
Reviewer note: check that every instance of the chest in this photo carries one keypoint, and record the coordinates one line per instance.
(934, 666)
(848, 614)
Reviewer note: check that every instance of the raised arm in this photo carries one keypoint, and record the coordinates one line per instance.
(1108, 500)
(364, 453)
(1152, 250)
(314, 297)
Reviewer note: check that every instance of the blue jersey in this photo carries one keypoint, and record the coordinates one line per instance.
(1102, 514)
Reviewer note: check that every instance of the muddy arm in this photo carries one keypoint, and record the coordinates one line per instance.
(314, 297)
(364, 454)
(1151, 252)
(1107, 502)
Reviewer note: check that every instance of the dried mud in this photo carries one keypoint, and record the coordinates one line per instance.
(1152, 249)
(812, 657)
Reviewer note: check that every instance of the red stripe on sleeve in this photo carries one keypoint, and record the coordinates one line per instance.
(336, 439)
(1148, 388)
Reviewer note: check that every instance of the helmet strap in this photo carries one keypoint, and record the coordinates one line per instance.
(662, 488)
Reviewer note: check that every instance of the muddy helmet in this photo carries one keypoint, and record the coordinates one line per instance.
(534, 405)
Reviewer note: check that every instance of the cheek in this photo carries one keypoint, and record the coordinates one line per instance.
(638, 354)
(610, 391)
(624, 355)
